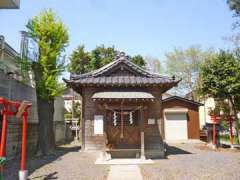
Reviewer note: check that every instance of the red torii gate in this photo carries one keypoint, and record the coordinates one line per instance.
(21, 110)
(215, 120)
(230, 119)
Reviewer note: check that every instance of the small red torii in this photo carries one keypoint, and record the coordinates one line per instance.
(230, 119)
(21, 110)
(215, 120)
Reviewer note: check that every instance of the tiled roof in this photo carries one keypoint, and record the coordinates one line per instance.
(113, 64)
(103, 76)
(122, 80)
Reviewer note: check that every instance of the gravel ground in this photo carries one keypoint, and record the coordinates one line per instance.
(68, 163)
(184, 161)
(191, 161)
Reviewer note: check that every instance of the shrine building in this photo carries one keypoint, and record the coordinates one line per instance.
(122, 109)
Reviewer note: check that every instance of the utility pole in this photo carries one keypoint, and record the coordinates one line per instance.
(24, 45)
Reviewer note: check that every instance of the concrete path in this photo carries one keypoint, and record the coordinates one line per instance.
(124, 172)
(123, 161)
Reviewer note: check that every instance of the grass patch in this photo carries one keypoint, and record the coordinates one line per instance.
(226, 138)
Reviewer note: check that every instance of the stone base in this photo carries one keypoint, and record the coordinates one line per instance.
(143, 157)
(23, 175)
(106, 156)
(155, 154)
(214, 146)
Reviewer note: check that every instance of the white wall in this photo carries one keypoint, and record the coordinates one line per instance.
(58, 109)
(204, 111)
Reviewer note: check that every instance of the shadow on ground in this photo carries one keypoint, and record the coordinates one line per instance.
(173, 150)
(225, 146)
(50, 176)
(12, 167)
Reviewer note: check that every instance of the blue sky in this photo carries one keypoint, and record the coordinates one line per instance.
(146, 27)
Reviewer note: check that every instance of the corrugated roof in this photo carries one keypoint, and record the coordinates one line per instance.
(122, 95)
(181, 99)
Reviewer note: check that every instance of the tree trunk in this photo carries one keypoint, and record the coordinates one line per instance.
(236, 118)
(46, 136)
(237, 124)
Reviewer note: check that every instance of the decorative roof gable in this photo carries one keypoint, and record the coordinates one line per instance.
(120, 64)
(121, 72)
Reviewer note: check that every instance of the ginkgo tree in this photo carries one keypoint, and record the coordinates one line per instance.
(51, 37)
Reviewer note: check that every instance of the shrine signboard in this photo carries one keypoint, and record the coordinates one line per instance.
(98, 124)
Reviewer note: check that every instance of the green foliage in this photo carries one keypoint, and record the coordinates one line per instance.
(221, 106)
(220, 76)
(51, 37)
(224, 124)
(185, 64)
(153, 64)
(224, 107)
(77, 109)
(234, 5)
(237, 102)
(226, 138)
(82, 61)
(220, 79)
(138, 59)
(67, 116)
(101, 56)
(215, 111)
(25, 66)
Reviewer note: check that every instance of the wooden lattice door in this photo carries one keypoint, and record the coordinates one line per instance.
(131, 132)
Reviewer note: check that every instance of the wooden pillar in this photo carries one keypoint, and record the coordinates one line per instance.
(105, 131)
(122, 116)
(82, 122)
(142, 133)
(106, 155)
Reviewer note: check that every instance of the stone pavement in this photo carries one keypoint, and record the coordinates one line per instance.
(124, 172)
(124, 161)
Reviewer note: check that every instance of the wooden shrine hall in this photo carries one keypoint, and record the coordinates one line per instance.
(122, 109)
